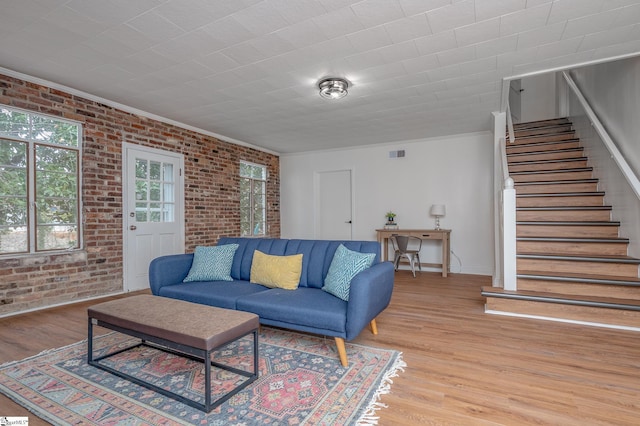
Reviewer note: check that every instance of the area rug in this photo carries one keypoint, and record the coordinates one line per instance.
(301, 383)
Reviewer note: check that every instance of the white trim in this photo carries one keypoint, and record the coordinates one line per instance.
(568, 321)
(179, 205)
(507, 80)
(128, 109)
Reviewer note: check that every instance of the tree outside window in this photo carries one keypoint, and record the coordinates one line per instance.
(253, 212)
(39, 183)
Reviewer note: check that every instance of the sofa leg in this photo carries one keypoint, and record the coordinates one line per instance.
(342, 351)
(373, 326)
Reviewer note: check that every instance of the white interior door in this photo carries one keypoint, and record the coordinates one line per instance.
(153, 216)
(515, 101)
(333, 205)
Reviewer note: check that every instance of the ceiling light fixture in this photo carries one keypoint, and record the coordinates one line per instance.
(333, 88)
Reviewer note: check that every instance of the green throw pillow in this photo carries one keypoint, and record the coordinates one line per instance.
(345, 265)
(212, 263)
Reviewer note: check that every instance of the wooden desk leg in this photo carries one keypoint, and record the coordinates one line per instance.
(445, 256)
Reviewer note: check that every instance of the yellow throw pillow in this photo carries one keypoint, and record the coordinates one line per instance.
(276, 271)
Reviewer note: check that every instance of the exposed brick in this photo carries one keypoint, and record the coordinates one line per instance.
(211, 196)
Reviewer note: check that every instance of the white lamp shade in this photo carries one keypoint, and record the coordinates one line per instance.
(438, 210)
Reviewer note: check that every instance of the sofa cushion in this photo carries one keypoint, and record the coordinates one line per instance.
(276, 271)
(212, 263)
(309, 307)
(345, 265)
(317, 255)
(223, 294)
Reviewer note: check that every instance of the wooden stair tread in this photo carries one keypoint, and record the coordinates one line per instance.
(562, 194)
(584, 240)
(569, 170)
(552, 151)
(533, 144)
(565, 223)
(558, 160)
(568, 276)
(611, 258)
(561, 298)
(556, 182)
(537, 123)
(557, 208)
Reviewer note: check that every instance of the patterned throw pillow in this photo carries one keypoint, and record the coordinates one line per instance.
(212, 263)
(345, 265)
(276, 271)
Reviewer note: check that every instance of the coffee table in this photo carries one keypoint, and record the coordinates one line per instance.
(186, 329)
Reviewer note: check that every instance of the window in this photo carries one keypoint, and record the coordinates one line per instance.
(154, 191)
(253, 212)
(39, 183)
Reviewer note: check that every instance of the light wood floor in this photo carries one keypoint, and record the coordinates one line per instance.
(464, 367)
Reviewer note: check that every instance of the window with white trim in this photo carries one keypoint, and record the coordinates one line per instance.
(253, 199)
(39, 182)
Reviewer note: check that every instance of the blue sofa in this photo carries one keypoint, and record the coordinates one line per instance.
(308, 308)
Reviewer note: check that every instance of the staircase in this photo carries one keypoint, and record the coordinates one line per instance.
(572, 265)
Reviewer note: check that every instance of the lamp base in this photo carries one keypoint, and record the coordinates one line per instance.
(437, 223)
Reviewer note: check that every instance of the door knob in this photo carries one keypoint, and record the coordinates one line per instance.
(133, 227)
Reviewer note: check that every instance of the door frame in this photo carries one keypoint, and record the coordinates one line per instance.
(180, 205)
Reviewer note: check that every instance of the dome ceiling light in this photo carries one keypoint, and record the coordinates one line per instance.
(333, 88)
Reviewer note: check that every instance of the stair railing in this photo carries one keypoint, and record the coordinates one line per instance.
(505, 207)
(616, 155)
(512, 133)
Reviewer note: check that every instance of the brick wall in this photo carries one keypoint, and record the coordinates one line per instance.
(211, 196)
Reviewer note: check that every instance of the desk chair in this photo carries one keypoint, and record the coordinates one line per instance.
(409, 247)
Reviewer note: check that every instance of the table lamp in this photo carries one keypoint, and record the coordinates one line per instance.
(438, 210)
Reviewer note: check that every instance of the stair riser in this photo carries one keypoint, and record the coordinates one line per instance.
(543, 156)
(539, 177)
(557, 188)
(576, 231)
(577, 201)
(564, 215)
(543, 131)
(592, 249)
(559, 165)
(608, 316)
(580, 289)
(543, 138)
(576, 267)
(518, 149)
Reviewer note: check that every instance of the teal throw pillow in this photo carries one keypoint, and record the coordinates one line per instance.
(345, 265)
(212, 263)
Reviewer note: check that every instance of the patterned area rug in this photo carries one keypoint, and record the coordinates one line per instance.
(301, 383)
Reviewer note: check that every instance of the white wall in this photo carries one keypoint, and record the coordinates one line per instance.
(538, 99)
(613, 92)
(456, 171)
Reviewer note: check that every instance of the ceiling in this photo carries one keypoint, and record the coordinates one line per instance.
(247, 70)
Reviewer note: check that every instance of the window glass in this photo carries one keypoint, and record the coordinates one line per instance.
(41, 153)
(252, 199)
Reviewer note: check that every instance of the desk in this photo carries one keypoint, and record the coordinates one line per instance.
(425, 234)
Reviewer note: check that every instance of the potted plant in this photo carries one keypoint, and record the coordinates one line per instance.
(390, 215)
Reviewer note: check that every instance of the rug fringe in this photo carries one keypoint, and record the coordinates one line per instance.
(369, 416)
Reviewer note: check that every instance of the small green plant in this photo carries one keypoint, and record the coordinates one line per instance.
(390, 215)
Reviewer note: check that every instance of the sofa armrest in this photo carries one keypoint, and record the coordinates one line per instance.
(370, 294)
(168, 270)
